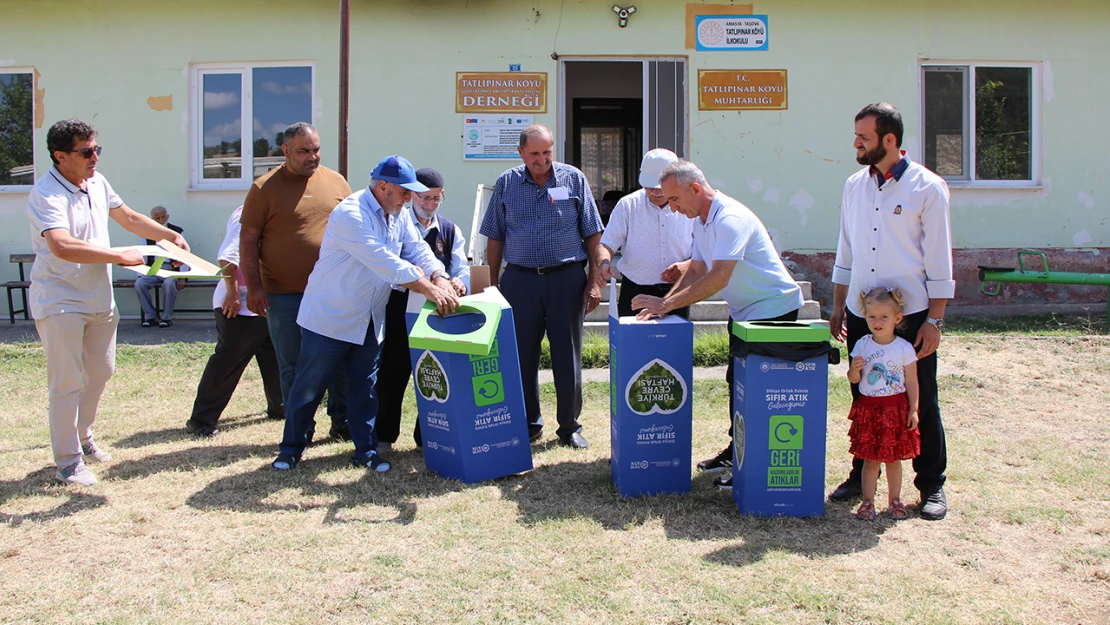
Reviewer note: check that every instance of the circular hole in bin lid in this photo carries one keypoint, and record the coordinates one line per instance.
(463, 321)
(779, 324)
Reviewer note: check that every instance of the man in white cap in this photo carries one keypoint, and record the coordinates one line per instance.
(652, 239)
(369, 245)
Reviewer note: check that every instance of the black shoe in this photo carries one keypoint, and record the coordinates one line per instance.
(276, 416)
(201, 430)
(719, 463)
(165, 323)
(340, 432)
(285, 462)
(934, 505)
(575, 440)
(847, 491)
(723, 482)
(535, 435)
(146, 323)
(375, 463)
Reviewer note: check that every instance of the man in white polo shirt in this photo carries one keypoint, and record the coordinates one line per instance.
(733, 255)
(71, 288)
(895, 232)
(650, 238)
(369, 245)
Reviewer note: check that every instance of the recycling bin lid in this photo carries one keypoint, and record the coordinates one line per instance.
(477, 342)
(780, 331)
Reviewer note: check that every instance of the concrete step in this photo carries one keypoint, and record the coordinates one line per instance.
(807, 293)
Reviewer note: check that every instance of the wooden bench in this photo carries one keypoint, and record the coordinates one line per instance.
(194, 283)
(20, 285)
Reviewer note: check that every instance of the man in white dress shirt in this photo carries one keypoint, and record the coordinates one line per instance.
(652, 240)
(369, 245)
(895, 232)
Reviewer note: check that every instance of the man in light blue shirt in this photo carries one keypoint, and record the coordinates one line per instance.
(369, 245)
(733, 255)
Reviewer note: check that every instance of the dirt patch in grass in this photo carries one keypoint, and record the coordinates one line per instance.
(188, 531)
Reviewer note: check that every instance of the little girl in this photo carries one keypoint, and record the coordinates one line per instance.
(884, 417)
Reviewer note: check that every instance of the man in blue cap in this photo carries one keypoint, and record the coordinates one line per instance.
(370, 244)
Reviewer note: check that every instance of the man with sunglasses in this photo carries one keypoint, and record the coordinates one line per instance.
(369, 245)
(71, 288)
(447, 244)
(654, 242)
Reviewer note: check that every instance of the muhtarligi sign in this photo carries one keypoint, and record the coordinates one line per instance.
(501, 92)
(741, 90)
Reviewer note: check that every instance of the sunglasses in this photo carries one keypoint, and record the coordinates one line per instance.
(88, 152)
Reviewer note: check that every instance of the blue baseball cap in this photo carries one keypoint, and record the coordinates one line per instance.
(399, 171)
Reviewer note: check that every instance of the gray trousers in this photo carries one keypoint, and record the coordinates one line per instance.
(144, 285)
(550, 303)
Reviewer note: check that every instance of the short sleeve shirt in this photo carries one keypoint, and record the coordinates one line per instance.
(760, 286)
(291, 213)
(884, 369)
(649, 238)
(61, 286)
(539, 230)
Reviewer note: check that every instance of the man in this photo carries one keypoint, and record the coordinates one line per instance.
(240, 336)
(71, 288)
(447, 244)
(733, 255)
(652, 240)
(283, 222)
(543, 221)
(370, 244)
(895, 232)
(170, 286)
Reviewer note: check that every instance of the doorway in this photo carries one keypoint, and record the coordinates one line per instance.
(616, 110)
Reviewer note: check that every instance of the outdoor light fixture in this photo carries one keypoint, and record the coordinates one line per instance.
(624, 13)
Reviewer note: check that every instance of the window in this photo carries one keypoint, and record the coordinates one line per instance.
(17, 136)
(239, 115)
(980, 123)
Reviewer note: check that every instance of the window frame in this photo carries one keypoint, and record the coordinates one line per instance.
(245, 70)
(970, 148)
(25, 188)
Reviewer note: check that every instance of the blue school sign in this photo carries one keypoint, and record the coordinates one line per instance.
(469, 397)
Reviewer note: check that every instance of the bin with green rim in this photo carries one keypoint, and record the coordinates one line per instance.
(780, 402)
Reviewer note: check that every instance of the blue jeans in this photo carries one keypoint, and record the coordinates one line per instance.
(286, 337)
(320, 358)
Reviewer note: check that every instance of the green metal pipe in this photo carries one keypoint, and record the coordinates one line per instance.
(997, 275)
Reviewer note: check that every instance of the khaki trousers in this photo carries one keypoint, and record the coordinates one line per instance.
(80, 358)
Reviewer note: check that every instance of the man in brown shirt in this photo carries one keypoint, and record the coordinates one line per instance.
(283, 223)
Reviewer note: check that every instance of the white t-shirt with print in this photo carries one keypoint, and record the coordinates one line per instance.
(884, 369)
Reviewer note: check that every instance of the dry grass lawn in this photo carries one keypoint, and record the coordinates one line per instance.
(189, 531)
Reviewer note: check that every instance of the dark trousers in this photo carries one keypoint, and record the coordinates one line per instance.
(319, 359)
(630, 289)
(237, 341)
(933, 460)
(733, 345)
(394, 371)
(550, 303)
(286, 335)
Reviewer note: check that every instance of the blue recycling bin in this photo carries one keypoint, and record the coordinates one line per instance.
(780, 400)
(651, 367)
(469, 397)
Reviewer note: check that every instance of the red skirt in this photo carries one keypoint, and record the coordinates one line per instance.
(879, 431)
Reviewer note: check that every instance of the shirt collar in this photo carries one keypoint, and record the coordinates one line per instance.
(69, 186)
(370, 202)
(423, 230)
(894, 172)
(714, 208)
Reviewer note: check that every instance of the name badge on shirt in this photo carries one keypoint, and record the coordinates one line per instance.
(558, 193)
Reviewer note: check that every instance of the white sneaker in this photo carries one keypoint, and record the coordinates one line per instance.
(92, 451)
(76, 474)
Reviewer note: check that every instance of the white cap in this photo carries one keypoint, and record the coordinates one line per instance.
(653, 164)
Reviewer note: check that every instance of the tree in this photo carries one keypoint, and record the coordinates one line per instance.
(16, 125)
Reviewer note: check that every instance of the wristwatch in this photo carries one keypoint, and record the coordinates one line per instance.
(438, 273)
(937, 323)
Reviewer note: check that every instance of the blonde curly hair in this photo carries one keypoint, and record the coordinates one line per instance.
(884, 295)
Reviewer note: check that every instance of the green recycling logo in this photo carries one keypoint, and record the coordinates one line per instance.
(431, 379)
(656, 388)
